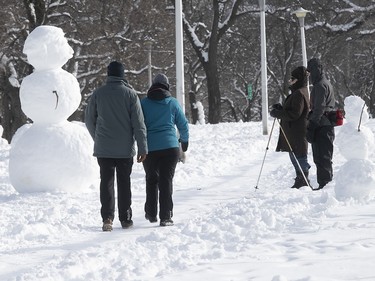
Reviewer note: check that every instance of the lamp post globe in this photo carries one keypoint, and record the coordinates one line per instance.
(301, 14)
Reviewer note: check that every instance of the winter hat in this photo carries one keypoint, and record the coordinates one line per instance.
(299, 73)
(116, 69)
(161, 79)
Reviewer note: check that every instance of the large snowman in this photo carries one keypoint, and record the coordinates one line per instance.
(356, 178)
(51, 154)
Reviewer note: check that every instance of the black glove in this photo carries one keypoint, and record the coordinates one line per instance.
(275, 113)
(277, 106)
(184, 146)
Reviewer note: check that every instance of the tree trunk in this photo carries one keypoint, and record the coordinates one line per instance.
(193, 108)
(213, 87)
(214, 96)
(12, 115)
(36, 11)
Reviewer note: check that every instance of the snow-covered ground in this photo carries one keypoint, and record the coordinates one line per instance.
(224, 228)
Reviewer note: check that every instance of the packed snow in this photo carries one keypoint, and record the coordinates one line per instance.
(224, 228)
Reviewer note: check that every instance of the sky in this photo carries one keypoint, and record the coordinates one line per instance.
(225, 228)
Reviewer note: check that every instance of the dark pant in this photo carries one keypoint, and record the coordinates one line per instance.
(160, 167)
(322, 149)
(123, 169)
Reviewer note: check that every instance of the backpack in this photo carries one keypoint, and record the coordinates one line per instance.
(336, 117)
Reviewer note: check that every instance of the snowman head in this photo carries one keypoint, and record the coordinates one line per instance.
(355, 110)
(47, 48)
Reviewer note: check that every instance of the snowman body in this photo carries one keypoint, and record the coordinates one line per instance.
(51, 154)
(53, 99)
(356, 178)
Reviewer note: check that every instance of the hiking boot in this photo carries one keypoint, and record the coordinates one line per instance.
(127, 224)
(151, 218)
(299, 181)
(166, 222)
(107, 225)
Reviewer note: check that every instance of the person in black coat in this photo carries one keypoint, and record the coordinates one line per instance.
(293, 114)
(320, 131)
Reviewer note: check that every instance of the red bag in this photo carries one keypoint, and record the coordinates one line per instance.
(336, 117)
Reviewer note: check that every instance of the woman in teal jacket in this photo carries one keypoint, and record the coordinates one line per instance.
(162, 114)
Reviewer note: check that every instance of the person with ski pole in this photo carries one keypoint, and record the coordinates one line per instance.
(293, 125)
(320, 131)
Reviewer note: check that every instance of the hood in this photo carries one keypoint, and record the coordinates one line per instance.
(158, 92)
(316, 70)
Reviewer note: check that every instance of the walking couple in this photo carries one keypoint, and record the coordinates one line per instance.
(116, 119)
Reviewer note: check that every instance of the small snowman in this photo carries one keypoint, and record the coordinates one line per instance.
(356, 178)
(52, 154)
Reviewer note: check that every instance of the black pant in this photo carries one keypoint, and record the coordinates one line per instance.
(160, 167)
(322, 150)
(123, 168)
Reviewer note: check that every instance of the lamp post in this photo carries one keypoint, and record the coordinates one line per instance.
(180, 90)
(301, 14)
(149, 43)
(263, 55)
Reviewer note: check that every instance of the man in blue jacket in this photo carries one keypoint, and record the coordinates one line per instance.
(115, 120)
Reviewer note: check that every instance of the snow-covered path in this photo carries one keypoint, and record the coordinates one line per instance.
(224, 228)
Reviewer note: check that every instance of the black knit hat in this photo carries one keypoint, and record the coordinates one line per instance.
(299, 73)
(116, 69)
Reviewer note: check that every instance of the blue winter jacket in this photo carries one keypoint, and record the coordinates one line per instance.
(162, 114)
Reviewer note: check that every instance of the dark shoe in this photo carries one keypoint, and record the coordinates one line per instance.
(150, 218)
(166, 222)
(299, 181)
(127, 224)
(107, 225)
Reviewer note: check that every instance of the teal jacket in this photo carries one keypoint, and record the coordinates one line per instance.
(162, 114)
(115, 121)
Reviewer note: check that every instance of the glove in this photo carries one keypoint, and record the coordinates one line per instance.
(141, 157)
(275, 113)
(184, 146)
(277, 106)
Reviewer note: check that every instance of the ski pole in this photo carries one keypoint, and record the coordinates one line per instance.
(265, 153)
(295, 158)
(360, 118)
